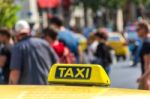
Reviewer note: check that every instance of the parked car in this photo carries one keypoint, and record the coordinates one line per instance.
(119, 44)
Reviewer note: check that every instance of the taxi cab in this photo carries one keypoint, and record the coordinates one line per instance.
(118, 43)
(73, 81)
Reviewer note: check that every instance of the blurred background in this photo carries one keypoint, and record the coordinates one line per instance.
(117, 17)
(81, 13)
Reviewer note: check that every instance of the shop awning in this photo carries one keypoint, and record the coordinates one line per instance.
(48, 3)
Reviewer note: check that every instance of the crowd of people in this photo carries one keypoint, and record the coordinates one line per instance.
(26, 59)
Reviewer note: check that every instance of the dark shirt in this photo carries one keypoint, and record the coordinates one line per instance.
(103, 54)
(145, 50)
(33, 57)
(5, 50)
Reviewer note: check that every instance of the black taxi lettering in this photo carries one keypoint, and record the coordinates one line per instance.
(73, 72)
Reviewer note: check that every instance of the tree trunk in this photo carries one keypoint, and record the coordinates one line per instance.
(142, 10)
(119, 20)
(85, 15)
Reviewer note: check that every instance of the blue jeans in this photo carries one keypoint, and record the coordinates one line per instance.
(137, 54)
(107, 69)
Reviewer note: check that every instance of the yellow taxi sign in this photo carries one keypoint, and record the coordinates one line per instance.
(86, 74)
(65, 72)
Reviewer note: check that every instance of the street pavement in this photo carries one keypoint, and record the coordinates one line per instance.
(124, 76)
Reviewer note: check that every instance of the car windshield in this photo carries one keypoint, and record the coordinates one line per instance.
(132, 36)
(114, 38)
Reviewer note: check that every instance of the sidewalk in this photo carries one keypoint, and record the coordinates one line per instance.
(124, 76)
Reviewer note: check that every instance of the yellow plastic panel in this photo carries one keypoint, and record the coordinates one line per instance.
(69, 92)
(85, 74)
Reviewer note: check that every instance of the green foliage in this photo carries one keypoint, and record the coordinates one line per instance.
(93, 4)
(112, 4)
(143, 2)
(8, 11)
(96, 4)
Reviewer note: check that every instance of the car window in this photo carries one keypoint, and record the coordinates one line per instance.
(114, 38)
(132, 36)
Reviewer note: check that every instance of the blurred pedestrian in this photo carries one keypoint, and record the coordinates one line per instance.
(31, 58)
(65, 56)
(5, 54)
(143, 32)
(66, 36)
(6, 44)
(103, 52)
(82, 43)
(92, 46)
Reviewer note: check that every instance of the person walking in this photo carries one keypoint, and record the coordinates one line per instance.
(66, 36)
(31, 58)
(6, 44)
(64, 54)
(5, 54)
(143, 33)
(102, 53)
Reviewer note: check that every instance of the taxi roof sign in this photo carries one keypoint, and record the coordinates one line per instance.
(82, 74)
